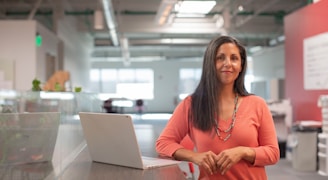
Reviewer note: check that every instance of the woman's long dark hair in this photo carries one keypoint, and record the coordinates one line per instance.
(204, 103)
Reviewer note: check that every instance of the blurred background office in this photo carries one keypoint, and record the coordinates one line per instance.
(154, 48)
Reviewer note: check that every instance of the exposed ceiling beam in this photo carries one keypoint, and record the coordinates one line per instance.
(257, 12)
(236, 12)
(35, 8)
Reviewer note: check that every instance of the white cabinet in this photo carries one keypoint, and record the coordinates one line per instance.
(304, 152)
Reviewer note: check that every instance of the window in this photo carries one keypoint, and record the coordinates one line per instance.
(189, 79)
(127, 83)
(95, 80)
(249, 77)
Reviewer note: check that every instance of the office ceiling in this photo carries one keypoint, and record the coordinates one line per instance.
(140, 37)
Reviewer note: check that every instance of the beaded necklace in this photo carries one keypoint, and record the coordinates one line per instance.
(232, 124)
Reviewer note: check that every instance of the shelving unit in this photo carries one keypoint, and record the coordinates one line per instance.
(323, 137)
(323, 154)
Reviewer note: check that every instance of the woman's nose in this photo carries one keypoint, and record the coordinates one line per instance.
(227, 62)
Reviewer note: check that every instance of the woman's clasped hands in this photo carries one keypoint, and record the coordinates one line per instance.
(218, 163)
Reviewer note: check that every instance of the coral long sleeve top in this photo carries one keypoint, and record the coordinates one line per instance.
(254, 127)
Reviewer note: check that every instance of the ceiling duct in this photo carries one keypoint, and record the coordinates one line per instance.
(125, 51)
(110, 20)
(35, 8)
(257, 12)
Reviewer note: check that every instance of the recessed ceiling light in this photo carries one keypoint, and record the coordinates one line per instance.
(240, 8)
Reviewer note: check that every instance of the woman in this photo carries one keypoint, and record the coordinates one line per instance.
(232, 130)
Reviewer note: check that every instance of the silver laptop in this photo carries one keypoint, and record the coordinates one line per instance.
(28, 137)
(111, 139)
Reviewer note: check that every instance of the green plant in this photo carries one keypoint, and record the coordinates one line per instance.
(36, 85)
(58, 87)
(77, 89)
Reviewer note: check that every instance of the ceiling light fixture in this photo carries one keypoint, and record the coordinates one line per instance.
(240, 8)
(164, 11)
(184, 41)
(190, 15)
(194, 7)
(98, 20)
(219, 21)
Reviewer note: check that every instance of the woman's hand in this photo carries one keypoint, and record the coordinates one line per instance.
(227, 158)
(211, 162)
(206, 160)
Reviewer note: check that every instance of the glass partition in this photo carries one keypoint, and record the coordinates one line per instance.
(69, 141)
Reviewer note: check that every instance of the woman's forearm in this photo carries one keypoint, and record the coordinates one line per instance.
(248, 154)
(183, 154)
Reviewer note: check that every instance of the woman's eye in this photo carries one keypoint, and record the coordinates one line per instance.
(234, 58)
(220, 58)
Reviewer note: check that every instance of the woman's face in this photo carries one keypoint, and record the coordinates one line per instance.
(228, 63)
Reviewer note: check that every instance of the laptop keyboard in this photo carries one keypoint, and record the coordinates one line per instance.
(155, 162)
(149, 161)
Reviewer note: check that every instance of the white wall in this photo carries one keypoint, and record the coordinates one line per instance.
(166, 80)
(17, 43)
(6, 73)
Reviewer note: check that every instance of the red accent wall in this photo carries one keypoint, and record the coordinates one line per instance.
(306, 22)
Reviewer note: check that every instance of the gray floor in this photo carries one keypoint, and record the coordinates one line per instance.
(283, 171)
(154, 124)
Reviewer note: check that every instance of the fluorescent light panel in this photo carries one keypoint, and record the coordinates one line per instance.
(181, 15)
(194, 20)
(183, 41)
(194, 7)
(194, 25)
(131, 59)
